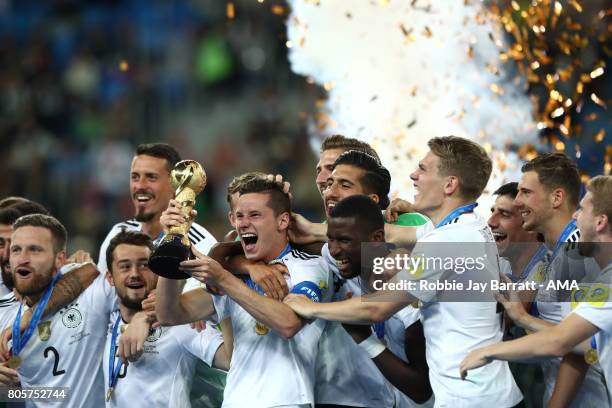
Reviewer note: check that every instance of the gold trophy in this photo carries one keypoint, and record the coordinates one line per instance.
(189, 179)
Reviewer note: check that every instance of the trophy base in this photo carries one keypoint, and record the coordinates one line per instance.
(167, 256)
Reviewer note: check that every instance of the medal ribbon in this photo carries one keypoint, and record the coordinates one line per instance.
(537, 257)
(593, 343)
(285, 252)
(571, 226)
(256, 287)
(19, 342)
(113, 370)
(457, 212)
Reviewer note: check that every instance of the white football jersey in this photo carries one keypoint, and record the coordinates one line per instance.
(553, 305)
(268, 370)
(3, 289)
(566, 264)
(534, 270)
(452, 329)
(8, 309)
(346, 375)
(395, 339)
(598, 311)
(198, 236)
(163, 374)
(65, 349)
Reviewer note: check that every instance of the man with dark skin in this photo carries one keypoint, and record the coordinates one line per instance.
(354, 221)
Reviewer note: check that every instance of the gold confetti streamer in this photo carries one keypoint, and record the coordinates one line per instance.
(230, 10)
(598, 101)
(541, 30)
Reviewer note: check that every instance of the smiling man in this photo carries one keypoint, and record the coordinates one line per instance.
(356, 236)
(274, 350)
(520, 249)
(548, 196)
(161, 377)
(151, 191)
(449, 179)
(67, 343)
(331, 148)
(353, 173)
(589, 328)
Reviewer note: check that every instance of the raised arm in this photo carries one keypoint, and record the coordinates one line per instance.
(173, 308)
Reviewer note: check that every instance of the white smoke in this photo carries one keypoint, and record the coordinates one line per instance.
(399, 72)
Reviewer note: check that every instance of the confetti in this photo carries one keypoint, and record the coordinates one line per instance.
(278, 10)
(542, 29)
(598, 101)
(597, 72)
(230, 10)
(557, 112)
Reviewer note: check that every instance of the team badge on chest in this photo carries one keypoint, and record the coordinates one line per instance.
(71, 317)
(44, 331)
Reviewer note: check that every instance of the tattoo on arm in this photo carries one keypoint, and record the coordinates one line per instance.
(69, 287)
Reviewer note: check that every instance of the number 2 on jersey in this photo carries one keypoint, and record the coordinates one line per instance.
(55, 360)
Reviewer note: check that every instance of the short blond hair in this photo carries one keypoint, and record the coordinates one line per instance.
(464, 159)
(600, 188)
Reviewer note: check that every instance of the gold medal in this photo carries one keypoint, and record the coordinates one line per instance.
(109, 393)
(261, 329)
(14, 362)
(591, 356)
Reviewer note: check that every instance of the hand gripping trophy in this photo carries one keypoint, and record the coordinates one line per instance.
(189, 179)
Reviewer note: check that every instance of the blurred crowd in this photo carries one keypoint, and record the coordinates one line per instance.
(83, 82)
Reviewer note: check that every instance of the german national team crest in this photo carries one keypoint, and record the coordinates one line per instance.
(44, 331)
(72, 318)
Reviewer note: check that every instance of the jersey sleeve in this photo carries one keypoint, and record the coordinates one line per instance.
(423, 229)
(311, 278)
(408, 316)
(222, 307)
(192, 284)
(201, 345)
(201, 238)
(420, 272)
(101, 295)
(102, 266)
(599, 314)
(444, 263)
